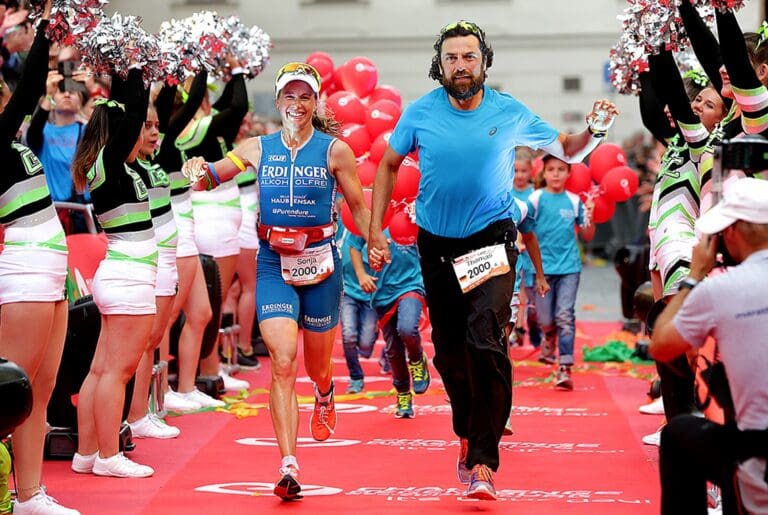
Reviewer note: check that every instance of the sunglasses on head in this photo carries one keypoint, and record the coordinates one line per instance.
(466, 25)
(299, 69)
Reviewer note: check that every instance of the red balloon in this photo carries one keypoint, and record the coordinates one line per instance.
(386, 92)
(605, 157)
(402, 229)
(346, 107)
(366, 170)
(407, 183)
(580, 178)
(356, 136)
(359, 75)
(604, 209)
(381, 116)
(620, 183)
(323, 63)
(379, 145)
(537, 165)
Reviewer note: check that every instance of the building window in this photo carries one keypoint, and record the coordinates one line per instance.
(572, 84)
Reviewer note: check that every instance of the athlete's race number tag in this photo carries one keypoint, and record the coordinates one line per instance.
(309, 267)
(476, 267)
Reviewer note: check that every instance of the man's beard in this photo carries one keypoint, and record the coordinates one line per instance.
(464, 91)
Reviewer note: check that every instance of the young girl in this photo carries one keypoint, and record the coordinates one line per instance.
(555, 211)
(124, 284)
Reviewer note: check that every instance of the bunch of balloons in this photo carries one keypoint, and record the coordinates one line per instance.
(368, 112)
(607, 180)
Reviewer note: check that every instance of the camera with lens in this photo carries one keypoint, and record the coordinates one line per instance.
(746, 153)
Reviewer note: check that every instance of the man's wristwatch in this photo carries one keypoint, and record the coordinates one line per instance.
(688, 283)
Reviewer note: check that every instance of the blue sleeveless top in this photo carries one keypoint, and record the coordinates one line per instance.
(298, 192)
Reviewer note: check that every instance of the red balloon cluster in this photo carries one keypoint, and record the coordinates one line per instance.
(353, 96)
(368, 113)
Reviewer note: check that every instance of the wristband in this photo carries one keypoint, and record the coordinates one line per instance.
(50, 100)
(596, 133)
(240, 165)
(212, 175)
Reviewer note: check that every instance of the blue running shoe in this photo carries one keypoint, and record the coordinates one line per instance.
(419, 374)
(355, 386)
(481, 484)
(404, 408)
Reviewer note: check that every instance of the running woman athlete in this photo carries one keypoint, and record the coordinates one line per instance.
(298, 274)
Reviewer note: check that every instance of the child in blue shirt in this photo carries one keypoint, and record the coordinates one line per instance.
(359, 320)
(399, 300)
(556, 211)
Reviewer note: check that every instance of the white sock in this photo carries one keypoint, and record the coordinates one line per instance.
(323, 398)
(289, 461)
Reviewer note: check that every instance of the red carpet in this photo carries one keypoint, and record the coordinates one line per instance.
(572, 452)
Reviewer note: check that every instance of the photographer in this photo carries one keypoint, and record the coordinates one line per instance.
(732, 308)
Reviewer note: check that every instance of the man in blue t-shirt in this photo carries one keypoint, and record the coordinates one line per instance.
(465, 134)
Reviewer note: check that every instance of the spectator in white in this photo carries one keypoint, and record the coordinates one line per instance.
(732, 308)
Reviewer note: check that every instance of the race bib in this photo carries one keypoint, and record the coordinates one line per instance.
(311, 266)
(476, 267)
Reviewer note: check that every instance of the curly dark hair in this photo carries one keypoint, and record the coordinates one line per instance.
(457, 29)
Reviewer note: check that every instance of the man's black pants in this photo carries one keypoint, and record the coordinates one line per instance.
(468, 332)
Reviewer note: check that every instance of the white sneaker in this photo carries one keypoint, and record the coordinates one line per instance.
(653, 408)
(653, 438)
(232, 384)
(84, 464)
(120, 466)
(175, 401)
(204, 400)
(150, 426)
(41, 504)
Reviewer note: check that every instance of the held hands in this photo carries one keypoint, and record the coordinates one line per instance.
(378, 250)
(194, 170)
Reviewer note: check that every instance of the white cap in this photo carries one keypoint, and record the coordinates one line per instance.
(297, 71)
(746, 199)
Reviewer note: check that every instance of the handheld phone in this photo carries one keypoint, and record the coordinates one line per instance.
(66, 69)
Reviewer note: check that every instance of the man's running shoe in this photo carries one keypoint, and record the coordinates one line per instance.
(481, 484)
(322, 423)
(462, 472)
(404, 407)
(419, 374)
(288, 487)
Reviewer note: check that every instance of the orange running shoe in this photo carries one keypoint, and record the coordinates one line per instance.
(481, 484)
(322, 423)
